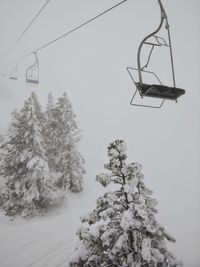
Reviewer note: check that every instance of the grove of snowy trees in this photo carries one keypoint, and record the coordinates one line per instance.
(122, 231)
(39, 159)
(40, 162)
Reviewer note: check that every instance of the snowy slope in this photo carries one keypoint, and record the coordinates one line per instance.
(45, 241)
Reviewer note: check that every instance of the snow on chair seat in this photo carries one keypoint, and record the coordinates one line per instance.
(160, 91)
(34, 81)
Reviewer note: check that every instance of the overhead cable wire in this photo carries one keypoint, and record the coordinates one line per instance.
(27, 27)
(72, 30)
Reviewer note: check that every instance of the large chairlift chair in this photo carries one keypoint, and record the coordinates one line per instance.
(32, 73)
(13, 75)
(157, 90)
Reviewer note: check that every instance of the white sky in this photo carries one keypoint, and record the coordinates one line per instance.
(90, 66)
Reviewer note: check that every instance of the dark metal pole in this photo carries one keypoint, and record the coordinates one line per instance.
(170, 44)
(163, 16)
(171, 54)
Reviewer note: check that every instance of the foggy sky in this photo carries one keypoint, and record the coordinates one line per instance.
(90, 65)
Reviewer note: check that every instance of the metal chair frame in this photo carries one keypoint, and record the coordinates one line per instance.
(33, 69)
(138, 90)
(159, 41)
(13, 73)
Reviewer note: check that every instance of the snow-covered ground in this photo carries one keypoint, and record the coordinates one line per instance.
(45, 241)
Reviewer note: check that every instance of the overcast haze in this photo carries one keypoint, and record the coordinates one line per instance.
(90, 65)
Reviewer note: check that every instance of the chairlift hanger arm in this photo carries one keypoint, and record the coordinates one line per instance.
(163, 17)
(13, 72)
(36, 59)
(35, 64)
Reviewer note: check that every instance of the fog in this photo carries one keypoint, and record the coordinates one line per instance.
(90, 65)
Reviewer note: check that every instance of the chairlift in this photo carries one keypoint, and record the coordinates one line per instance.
(32, 72)
(13, 75)
(157, 90)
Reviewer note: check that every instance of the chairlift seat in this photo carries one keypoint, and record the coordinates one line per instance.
(32, 81)
(13, 78)
(160, 91)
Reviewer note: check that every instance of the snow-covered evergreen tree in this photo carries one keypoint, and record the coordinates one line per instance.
(1, 142)
(62, 137)
(122, 231)
(50, 102)
(28, 187)
(1, 138)
(50, 127)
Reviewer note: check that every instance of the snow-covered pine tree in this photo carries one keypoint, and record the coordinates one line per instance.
(28, 188)
(122, 231)
(1, 138)
(50, 102)
(50, 128)
(62, 140)
(1, 142)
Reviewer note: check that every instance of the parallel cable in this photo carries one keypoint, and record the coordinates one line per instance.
(71, 31)
(28, 26)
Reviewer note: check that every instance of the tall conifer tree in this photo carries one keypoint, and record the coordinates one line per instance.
(50, 128)
(62, 141)
(122, 231)
(28, 187)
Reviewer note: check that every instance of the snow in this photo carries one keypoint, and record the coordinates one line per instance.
(127, 220)
(121, 241)
(103, 178)
(146, 247)
(37, 163)
(157, 255)
(45, 241)
(51, 240)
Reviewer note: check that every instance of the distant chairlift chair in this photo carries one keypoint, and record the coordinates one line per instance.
(155, 90)
(13, 75)
(32, 73)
